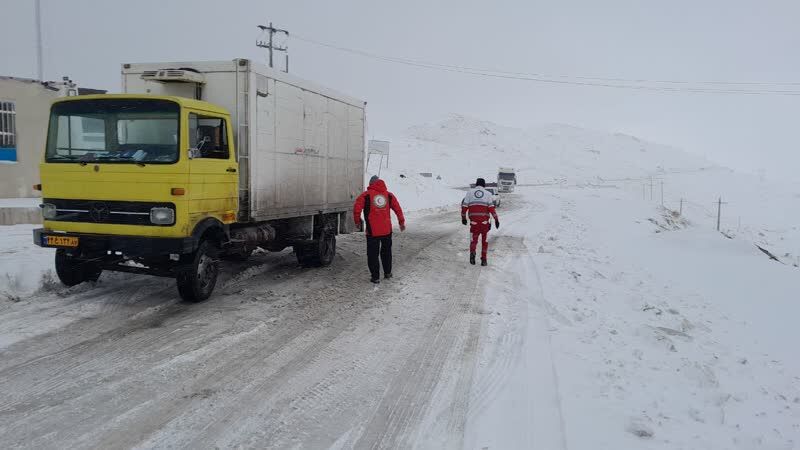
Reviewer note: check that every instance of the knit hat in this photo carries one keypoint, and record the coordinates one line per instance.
(480, 182)
(373, 179)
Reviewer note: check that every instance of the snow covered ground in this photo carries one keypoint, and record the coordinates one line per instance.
(25, 202)
(24, 267)
(604, 321)
(677, 338)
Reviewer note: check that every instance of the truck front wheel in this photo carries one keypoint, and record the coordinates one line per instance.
(196, 280)
(72, 271)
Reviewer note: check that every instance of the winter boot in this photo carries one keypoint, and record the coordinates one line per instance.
(387, 275)
(375, 280)
(483, 262)
(472, 258)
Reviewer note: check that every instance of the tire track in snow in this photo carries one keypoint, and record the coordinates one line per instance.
(514, 401)
(548, 418)
(403, 403)
(282, 425)
(169, 373)
(505, 355)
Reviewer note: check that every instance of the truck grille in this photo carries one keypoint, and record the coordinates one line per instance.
(102, 211)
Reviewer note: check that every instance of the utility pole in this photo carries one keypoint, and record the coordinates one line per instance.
(269, 44)
(680, 212)
(651, 188)
(39, 62)
(719, 211)
(662, 193)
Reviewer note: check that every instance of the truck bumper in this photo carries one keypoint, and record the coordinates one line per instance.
(128, 245)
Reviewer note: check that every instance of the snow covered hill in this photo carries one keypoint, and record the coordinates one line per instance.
(663, 333)
(462, 148)
(459, 149)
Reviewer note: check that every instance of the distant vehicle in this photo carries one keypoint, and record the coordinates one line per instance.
(495, 195)
(488, 185)
(506, 179)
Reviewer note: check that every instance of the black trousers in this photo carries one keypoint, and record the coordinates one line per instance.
(379, 246)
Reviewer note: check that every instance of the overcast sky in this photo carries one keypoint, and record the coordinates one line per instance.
(679, 39)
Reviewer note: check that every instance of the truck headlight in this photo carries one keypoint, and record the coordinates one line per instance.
(162, 216)
(49, 211)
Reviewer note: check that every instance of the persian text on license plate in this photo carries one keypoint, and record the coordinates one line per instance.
(61, 241)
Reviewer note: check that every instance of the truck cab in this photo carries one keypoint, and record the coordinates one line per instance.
(506, 179)
(135, 176)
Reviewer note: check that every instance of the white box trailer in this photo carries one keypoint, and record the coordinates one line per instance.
(300, 145)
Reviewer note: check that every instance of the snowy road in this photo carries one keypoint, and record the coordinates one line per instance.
(594, 327)
(279, 357)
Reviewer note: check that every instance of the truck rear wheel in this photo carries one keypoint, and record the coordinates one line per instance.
(317, 254)
(72, 271)
(197, 279)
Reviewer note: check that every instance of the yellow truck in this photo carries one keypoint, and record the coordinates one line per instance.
(195, 163)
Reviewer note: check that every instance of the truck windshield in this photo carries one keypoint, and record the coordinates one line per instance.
(506, 176)
(113, 130)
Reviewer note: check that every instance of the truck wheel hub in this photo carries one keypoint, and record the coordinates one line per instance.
(205, 270)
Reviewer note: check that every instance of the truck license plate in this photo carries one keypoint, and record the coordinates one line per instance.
(61, 241)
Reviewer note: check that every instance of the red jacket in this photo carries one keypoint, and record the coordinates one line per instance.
(375, 202)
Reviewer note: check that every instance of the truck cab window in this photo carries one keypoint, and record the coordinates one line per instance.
(120, 131)
(208, 137)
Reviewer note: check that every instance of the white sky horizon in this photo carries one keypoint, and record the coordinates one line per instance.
(682, 40)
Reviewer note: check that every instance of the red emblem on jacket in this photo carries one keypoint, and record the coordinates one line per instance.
(373, 203)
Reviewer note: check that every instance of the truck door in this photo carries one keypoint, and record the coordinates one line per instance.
(214, 177)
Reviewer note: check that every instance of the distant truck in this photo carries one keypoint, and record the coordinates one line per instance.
(198, 161)
(506, 179)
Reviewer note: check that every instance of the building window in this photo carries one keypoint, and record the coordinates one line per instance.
(8, 132)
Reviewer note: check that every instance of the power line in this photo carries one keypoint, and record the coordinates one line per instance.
(616, 83)
(625, 80)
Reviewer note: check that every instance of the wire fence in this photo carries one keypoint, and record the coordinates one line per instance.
(729, 215)
(733, 216)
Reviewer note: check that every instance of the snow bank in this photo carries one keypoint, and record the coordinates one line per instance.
(23, 266)
(25, 202)
(667, 339)
(414, 191)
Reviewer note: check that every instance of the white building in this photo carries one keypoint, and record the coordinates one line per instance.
(24, 112)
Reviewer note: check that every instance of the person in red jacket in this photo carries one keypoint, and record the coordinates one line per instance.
(375, 203)
(478, 205)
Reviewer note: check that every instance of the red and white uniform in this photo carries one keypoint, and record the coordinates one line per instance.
(478, 208)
